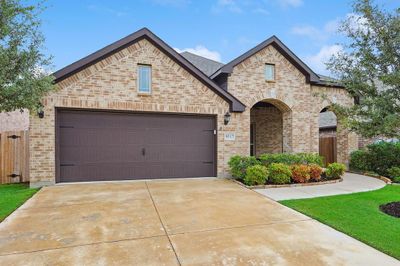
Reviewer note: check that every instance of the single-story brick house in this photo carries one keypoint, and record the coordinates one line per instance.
(138, 109)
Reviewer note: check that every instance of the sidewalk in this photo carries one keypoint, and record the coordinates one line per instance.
(351, 183)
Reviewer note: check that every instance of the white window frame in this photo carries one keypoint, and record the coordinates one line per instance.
(274, 72)
(138, 78)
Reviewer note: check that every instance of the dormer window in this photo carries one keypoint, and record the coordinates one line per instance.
(144, 79)
(269, 72)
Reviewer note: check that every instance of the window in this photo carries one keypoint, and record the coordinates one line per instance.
(144, 79)
(269, 72)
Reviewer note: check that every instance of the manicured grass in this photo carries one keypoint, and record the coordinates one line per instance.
(358, 215)
(12, 196)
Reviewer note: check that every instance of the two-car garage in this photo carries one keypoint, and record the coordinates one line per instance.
(101, 146)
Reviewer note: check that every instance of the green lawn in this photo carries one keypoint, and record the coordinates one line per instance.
(12, 196)
(358, 215)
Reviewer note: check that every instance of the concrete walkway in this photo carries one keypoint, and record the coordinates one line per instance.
(351, 183)
(171, 222)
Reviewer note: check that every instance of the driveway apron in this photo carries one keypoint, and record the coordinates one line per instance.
(206, 221)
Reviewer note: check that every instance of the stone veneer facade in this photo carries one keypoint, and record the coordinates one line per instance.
(110, 84)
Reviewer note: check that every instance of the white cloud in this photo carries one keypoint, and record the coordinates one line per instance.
(317, 61)
(332, 26)
(357, 22)
(290, 3)
(318, 34)
(229, 5)
(202, 51)
(260, 10)
(108, 10)
(307, 31)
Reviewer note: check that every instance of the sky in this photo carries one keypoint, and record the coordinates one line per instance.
(218, 29)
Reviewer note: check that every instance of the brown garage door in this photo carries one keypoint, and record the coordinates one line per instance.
(96, 146)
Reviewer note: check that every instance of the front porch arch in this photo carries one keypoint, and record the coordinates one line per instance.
(270, 127)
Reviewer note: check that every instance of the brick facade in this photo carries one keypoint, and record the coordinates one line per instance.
(110, 84)
(299, 102)
(268, 129)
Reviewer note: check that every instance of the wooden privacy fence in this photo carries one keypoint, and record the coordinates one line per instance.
(14, 157)
(327, 149)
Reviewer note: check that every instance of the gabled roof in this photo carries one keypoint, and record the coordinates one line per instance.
(235, 104)
(207, 66)
(283, 49)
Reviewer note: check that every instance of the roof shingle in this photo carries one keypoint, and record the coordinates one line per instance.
(205, 65)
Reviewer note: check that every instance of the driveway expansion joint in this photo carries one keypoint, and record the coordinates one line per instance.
(82, 245)
(241, 226)
(165, 230)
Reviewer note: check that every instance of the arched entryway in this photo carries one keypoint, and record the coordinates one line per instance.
(328, 135)
(270, 127)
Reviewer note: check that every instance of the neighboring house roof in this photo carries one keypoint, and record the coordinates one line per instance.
(235, 104)
(207, 66)
(14, 121)
(327, 120)
(311, 76)
(329, 81)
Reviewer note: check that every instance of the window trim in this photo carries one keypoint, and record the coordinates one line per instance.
(274, 73)
(138, 79)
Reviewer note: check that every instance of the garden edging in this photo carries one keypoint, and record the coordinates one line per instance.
(289, 185)
(383, 178)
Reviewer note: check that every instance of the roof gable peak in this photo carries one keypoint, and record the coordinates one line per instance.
(311, 77)
(235, 104)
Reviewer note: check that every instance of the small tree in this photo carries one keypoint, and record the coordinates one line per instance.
(369, 67)
(23, 81)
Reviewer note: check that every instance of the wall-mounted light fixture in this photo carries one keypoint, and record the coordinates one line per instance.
(227, 118)
(40, 111)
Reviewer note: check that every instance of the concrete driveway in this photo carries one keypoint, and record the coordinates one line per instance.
(187, 222)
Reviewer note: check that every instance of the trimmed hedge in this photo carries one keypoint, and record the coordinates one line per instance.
(256, 175)
(281, 168)
(378, 158)
(300, 173)
(394, 172)
(291, 158)
(315, 172)
(239, 164)
(279, 173)
(335, 170)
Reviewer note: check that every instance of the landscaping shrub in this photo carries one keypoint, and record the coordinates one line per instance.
(394, 172)
(291, 158)
(396, 179)
(311, 158)
(239, 164)
(359, 160)
(335, 170)
(256, 175)
(279, 173)
(377, 157)
(315, 172)
(300, 173)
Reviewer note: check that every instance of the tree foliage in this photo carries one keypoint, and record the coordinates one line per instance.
(23, 81)
(369, 67)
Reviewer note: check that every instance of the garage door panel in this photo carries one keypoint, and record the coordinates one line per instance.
(103, 172)
(107, 136)
(95, 146)
(76, 154)
(178, 153)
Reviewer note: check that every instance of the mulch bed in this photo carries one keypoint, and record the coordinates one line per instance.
(392, 208)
